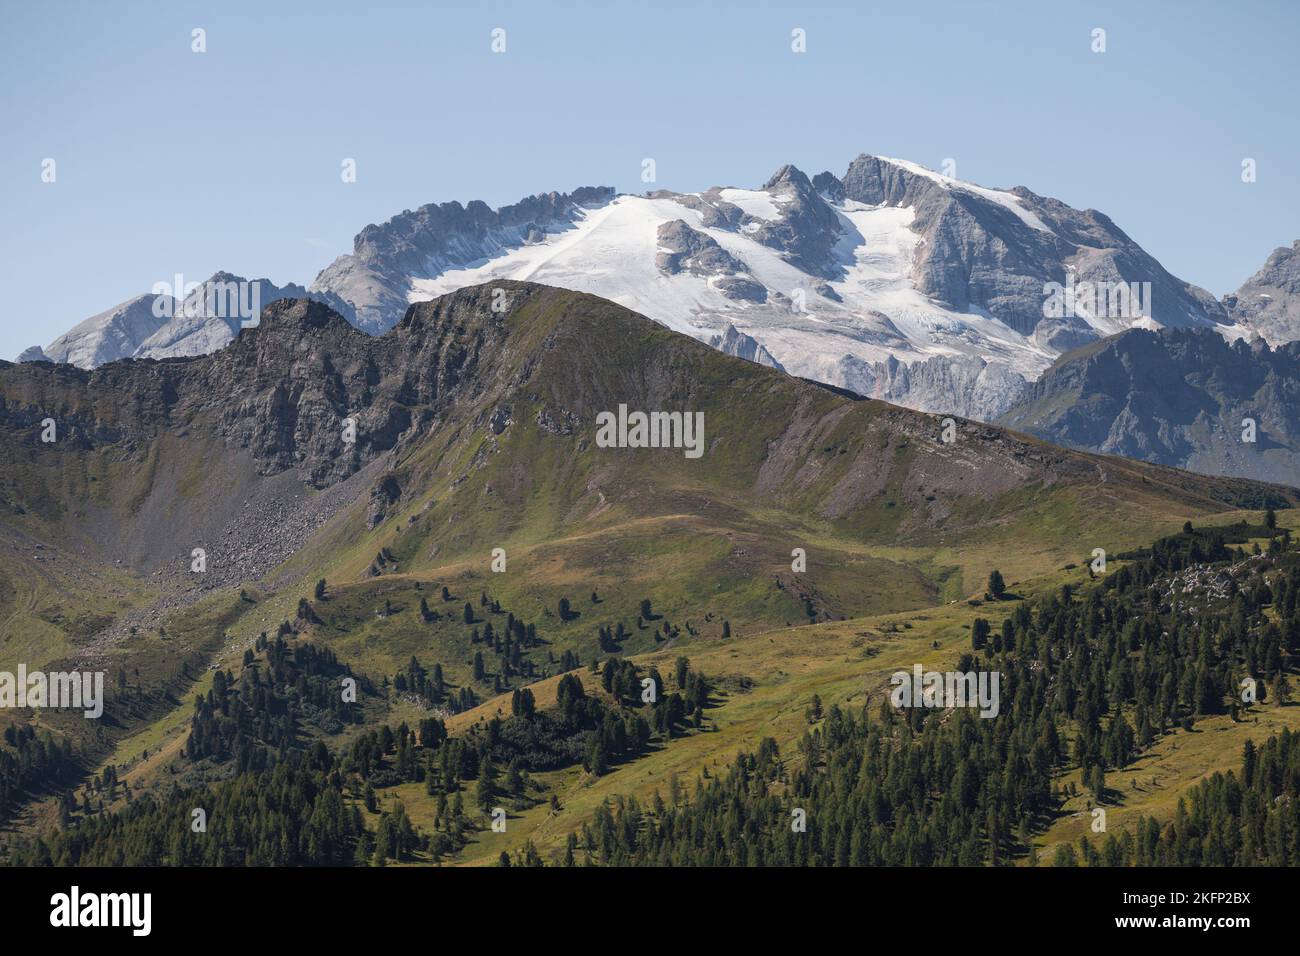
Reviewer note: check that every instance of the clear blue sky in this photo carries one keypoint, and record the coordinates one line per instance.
(170, 161)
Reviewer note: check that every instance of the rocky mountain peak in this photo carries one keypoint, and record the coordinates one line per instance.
(829, 278)
(436, 237)
(829, 185)
(1177, 397)
(1268, 303)
(293, 316)
(1282, 269)
(788, 176)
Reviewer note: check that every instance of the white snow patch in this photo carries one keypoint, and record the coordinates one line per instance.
(610, 252)
(755, 202)
(1007, 200)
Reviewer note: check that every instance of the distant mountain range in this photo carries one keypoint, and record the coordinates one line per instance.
(159, 325)
(1182, 397)
(475, 423)
(1187, 397)
(1268, 304)
(891, 280)
(384, 475)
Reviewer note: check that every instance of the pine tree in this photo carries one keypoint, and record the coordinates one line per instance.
(597, 762)
(485, 790)
(997, 587)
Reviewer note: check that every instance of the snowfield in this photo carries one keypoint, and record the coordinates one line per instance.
(795, 273)
(610, 251)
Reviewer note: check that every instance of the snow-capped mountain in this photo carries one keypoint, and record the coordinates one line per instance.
(891, 280)
(115, 333)
(158, 325)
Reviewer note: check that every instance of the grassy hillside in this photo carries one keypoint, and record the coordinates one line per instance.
(477, 434)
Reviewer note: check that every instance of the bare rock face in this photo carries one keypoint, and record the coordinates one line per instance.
(989, 255)
(33, 354)
(808, 228)
(683, 249)
(1268, 303)
(161, 326)
(1176, 397)
(385, 493)
(424, 242)
(305, 390)
(734, 342)
(328, 371)
(557, 422)
(210, 317)
(715, 212)
(971, 388)
(830, 186)
(890, 280)
(112, 334)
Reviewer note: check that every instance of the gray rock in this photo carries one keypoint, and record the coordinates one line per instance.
(971, 388)
(158, 326)
(807, 229)
(1268, 303)
(1175, 397)
(112, 334)
(715, 212)
(982, 254)
(427, 241)
(829, 186)
(683, 249)
(737, 343)
(977, 253)
(742, 289)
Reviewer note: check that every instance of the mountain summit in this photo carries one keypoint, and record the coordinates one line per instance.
(1268, 303)
(165, 519)
(890, 280)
